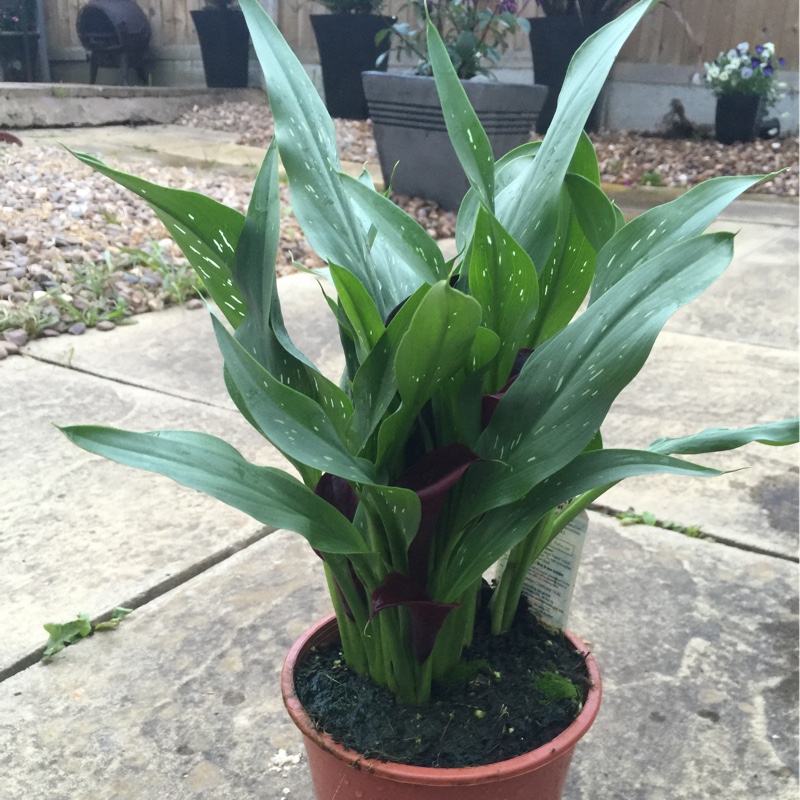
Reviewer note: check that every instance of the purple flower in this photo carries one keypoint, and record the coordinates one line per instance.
(759, 49)
(747, 72)
(509, 6)
(755, 63)
(768, 70)
(782, 61)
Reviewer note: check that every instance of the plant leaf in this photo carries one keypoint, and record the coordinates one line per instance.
(307, 145)
(206, 232)
(360, 310)
(713, 440)
(294, 423)
(593, 210)
(502, 528)
(503, 280)
(506, 169)
(663, 226)
(436, 345)
(402, 233)
(528, 208)
(212, 466)
(558, 402)
(463, 126)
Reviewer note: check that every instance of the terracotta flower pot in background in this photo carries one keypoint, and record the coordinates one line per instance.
(344, 775)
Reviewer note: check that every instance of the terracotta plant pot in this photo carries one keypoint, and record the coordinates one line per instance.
(344, 775)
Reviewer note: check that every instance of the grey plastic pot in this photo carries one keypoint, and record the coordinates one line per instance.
(410, 131)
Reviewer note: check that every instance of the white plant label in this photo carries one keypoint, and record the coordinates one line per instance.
(550, 581)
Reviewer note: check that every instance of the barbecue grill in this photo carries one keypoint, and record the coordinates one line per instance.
(116, 34)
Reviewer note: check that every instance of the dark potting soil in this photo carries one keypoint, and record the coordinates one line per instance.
(509, 705)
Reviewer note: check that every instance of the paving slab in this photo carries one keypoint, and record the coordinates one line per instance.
(175, 352)
(755, 301)
(696, 644)
(691, 383)
(79, 533)
(171, 144)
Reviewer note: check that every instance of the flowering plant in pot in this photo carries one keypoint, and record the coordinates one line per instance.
(350, 41)
(470, 408)
(475, 33)
(746, 86)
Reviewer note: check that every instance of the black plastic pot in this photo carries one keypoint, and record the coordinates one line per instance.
(346, 44)
(554, 41)
(224, 45)
(410, 131)
(737, 118)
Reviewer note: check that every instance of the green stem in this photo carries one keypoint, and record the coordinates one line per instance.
(528, 550)
(506, 597)
(355, 653)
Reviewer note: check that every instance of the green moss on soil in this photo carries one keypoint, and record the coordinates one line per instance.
(507, 707)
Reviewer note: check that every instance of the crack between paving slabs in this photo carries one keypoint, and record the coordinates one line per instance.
(123, 382)
(151, 593)
(713, 538)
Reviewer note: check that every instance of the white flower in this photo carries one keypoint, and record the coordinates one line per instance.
(769, 46)
(735, 63)
(734, 53)
(697, 79)
(723, 76)
(712, 71)
(743, 47)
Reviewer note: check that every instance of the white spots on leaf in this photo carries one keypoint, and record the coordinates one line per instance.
(225, 239)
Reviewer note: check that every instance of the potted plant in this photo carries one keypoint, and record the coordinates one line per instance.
(346, 39)
(414, 149)
(466, 426)
(556, 36)
(746, 87)
(224, 44)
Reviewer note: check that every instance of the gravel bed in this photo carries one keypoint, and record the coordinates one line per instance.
(78, 251)
(628, 158)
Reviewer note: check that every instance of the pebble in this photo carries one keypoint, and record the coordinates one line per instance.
(105, 325)
(16, 336)
(195, 304)
(10, 348)
(77, 329)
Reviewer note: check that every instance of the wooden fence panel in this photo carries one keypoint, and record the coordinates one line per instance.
(170, 21)
(715, 25)
(661, 39)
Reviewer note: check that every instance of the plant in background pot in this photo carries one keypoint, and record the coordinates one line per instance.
(466, 425)
(410, 132)
(746, 87)
(346, 39)
(554, 39)
(224, 44)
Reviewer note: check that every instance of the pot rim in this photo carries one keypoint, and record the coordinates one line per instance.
(563, 744)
